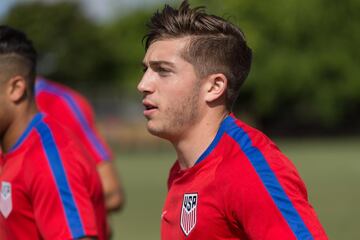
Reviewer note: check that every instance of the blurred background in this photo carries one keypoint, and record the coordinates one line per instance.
(303, 91)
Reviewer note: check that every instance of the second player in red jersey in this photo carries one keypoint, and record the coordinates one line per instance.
(54, 190)
(74, 111)
(229, 180)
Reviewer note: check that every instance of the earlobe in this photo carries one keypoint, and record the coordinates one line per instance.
(17, 88)
(216, 87)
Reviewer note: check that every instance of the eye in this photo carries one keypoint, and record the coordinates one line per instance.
(144, 69)
(163, 71)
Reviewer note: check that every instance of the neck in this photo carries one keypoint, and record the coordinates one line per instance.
(20, 120)
(196, 139)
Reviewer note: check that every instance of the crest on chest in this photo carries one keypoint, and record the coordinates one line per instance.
(188, 212)
(5, 199)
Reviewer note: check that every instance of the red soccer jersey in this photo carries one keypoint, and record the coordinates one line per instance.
(72, 110)
(241, 187)
(49, 189)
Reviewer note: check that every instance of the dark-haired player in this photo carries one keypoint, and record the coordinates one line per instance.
(229, 181)
(49, 189)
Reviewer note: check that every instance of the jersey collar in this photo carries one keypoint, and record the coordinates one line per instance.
(217, 138)
(37, 118)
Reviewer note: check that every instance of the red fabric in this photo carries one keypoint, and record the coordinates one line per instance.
(55, 105)
(233, 202)
(38, 211)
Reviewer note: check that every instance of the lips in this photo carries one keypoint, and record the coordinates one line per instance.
(150, 108)
(149, 105)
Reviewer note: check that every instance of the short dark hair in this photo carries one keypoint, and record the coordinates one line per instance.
(16, 47)
(215, 46)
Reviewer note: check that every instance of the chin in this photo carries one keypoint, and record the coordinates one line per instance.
(154, 131)
(157, 131)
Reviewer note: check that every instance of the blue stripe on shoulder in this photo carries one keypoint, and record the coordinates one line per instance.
(213, 144)
(58, 171)
(42, 85)
(28, 129)
(269, 179)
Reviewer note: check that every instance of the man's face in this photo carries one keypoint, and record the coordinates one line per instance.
(171, 89)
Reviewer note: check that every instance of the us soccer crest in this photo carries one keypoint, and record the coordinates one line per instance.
(5, 199)
(188, 212)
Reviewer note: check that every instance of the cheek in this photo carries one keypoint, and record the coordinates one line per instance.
(176, 96)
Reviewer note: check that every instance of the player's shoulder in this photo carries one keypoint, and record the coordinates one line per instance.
(247, 136)
(45, 132)
(58, 90)
(32, 150)
(43, 85)
(252, 152)
(244, 143)
(52, 130)
(257, 145)
(59, 143)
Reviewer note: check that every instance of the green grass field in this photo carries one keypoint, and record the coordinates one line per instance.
(330, 168)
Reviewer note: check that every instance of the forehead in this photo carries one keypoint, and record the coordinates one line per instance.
(169, 50)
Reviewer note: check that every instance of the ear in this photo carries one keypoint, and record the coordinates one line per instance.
(16, 88)
(216, 85)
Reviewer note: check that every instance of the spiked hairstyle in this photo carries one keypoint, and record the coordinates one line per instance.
(215, 46)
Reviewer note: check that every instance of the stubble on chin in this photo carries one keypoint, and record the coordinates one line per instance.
(176, 118)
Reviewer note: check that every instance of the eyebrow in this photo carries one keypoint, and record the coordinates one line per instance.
(158, 63)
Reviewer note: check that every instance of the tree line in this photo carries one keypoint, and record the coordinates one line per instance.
(305, 77)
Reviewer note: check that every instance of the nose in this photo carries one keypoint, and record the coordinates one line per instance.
(146, 85)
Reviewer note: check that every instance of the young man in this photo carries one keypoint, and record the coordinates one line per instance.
(229, 181)
(74, 111)
(49, 189)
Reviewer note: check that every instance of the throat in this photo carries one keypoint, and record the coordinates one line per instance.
(15, 129)
(198, 142)
(189, 152)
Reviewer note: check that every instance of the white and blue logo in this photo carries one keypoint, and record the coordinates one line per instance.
(188, 212)
(5, 199)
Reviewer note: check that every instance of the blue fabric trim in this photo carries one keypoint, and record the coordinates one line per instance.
(37, 118)
(216, 140)
(269, 179)
(42, 85)
(58, 171)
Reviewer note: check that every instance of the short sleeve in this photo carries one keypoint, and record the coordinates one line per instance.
(60, 195)
(269, 200)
